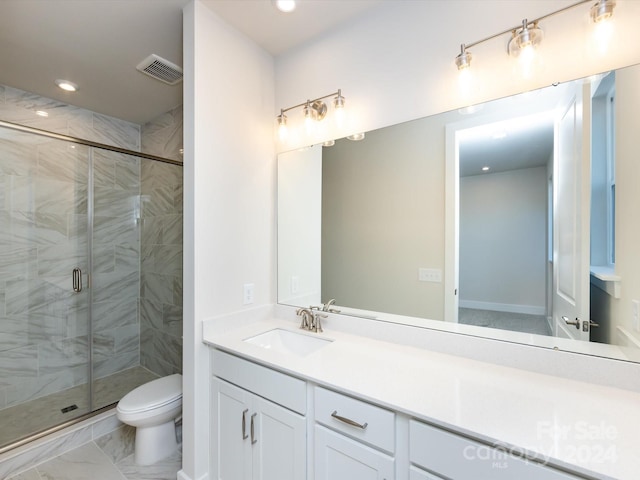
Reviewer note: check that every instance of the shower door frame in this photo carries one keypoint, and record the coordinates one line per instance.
(90, 221)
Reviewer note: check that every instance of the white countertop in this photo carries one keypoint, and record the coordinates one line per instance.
(574, 424)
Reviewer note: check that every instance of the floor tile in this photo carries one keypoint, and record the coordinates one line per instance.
(166, 469)
(85, 462)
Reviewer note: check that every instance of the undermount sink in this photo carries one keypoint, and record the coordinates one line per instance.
(286, 341)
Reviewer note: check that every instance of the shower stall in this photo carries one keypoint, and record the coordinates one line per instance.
(90, 277)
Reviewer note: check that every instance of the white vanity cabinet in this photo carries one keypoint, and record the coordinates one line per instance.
(268, 425)
(448, 455)
(353, 439)
(252, 437)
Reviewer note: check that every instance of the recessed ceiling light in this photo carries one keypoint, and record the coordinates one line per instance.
(329, 143)
(42, 113)
(67, 85)
(485, 169)
(286, 6)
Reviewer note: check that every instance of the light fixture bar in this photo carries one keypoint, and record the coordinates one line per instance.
(311, 102)
(519, 26)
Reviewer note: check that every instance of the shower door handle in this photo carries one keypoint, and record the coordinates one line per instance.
(77, 280)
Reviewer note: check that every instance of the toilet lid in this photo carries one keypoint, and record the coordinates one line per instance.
(153, 394)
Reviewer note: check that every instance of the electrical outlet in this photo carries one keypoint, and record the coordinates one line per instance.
(295, 284)
(248, 294)
(635, 315)
(430, 275)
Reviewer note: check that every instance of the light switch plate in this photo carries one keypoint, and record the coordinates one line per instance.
(430, 275)
(248, 294)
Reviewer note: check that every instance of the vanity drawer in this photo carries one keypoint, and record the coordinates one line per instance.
(282, 389)
(455, 456)
(349, 416)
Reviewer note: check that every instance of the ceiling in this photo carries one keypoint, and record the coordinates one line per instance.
(512, 133)
(98, 43)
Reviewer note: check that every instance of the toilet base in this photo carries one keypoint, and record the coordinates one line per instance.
(155, 443)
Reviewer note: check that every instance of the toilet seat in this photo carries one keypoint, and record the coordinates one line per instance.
(153, 395)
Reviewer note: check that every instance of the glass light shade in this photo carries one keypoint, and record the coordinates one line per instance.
(527, 37)
(463, 60)
(603, 10)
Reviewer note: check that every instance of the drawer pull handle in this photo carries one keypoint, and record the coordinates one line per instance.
(244, 424)
(348, 421)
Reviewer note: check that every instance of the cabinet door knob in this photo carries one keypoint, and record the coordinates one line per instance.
(254, 440)
(244, 424)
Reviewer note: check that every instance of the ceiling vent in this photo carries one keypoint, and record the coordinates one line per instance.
(161, 69)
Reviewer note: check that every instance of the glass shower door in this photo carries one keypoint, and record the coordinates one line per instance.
(44, 299)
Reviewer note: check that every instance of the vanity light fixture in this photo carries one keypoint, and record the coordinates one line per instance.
(313, 110)
(66, 85)
(527, 36)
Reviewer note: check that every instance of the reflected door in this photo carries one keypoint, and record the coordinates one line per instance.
(571, 219)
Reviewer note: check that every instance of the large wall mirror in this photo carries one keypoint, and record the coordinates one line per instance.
(512, 220)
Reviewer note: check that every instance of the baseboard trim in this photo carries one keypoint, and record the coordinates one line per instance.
(503, 307)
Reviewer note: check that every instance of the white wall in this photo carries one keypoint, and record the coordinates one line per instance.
(383, 219)
(503, 242)
(229, 176)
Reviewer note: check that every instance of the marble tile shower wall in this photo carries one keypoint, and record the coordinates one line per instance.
(18, 106)
(161, 246)
(43, 203)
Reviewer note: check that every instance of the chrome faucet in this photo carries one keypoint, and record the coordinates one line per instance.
(311, 320)
(307, 318)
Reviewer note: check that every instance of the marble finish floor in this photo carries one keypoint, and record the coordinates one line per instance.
(516, 322)
(107, 458)
(36, 415)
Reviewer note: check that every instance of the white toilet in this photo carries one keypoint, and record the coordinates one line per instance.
(153, 409)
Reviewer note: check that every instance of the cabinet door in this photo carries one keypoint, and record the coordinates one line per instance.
(230, 432)
(340, 458)
(279, 442)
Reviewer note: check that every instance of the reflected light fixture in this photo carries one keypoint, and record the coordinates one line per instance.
(356, 137)
(485, 169)
(312, 110)
(602, 10)
(285, 6)
(42, 113)
(66, 85)
(329, 143)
